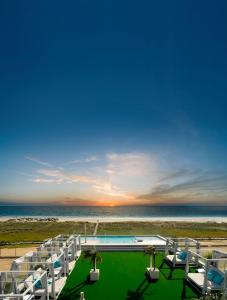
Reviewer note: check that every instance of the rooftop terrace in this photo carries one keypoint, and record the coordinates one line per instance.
(123, 277)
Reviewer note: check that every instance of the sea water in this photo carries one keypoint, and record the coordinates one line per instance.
(114, 212)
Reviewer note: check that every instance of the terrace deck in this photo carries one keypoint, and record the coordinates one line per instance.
(123, 277)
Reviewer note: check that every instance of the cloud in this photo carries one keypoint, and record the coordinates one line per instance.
(60, 176)
(91, 158)
(129, 164)
(175, 174)
(108, 189)
(84, 160)
(108, 179)
(190, 185)
(50, 172)
(38, 161)
(45, 180)
(121, 173)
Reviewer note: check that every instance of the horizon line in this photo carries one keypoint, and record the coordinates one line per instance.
(123, 205)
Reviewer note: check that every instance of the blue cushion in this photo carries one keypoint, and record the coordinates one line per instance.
(218, 278)
(57, 264)
(179, 255)
(38, 284)
(182, 255)
(211, 273)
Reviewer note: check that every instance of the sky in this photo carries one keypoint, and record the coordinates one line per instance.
(113, 102)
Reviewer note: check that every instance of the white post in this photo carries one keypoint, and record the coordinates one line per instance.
(175, 253)
(85, 232)
(53, 294)
(150, 261)
(167, 246)
(186, 245)
(82, 296)
(65, 249)
(75, 248)
(225, 287)
(95, 265)
(66, 260)
(205, 278)
(187, 265)
(197, 252)
(79, 243)
(46, 286)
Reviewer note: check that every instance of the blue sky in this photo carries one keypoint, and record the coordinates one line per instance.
(113, 102)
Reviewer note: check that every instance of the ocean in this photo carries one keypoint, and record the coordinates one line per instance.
(137, 212)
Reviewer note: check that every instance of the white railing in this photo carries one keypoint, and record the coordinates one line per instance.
(217, 262)
(23, 285)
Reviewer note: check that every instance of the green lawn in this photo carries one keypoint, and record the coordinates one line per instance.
(123, 277)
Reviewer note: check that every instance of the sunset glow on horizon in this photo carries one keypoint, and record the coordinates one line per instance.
(114, 179)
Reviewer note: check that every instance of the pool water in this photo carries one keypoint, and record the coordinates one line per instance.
(121, 240)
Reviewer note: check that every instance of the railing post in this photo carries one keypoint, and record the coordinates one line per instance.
(204, 289)
(167, 246)
(225, 287)
(76, 247)
(85, 232)
(187, 244)
(187, 265)
(46, 285)
(53, 293)
(197, 252)
(175, 253)
(79, 237)
(66, 260)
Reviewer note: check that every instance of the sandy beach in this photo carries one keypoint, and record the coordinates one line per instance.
(118, 219)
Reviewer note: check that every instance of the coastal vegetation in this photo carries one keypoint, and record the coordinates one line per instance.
(30, 231)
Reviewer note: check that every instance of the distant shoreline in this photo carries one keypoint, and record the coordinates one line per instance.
(115, 219)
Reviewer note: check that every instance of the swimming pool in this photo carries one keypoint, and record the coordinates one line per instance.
(123, 240)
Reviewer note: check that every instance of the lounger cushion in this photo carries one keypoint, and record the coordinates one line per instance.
(198, 279)
(177, 261)
(57, 264)
(211, 274)
(218, 278)
(38, 284)
(182, 255)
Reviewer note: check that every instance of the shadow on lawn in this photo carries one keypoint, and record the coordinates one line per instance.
(74, 292)
(170, 270)
(170, 274)
(138, 294)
